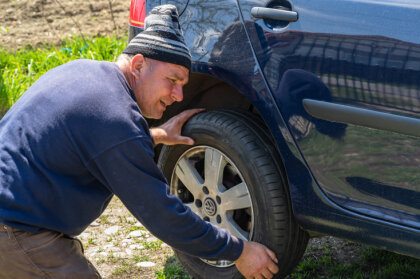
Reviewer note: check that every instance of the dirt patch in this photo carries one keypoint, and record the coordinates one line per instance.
(36, 22)
(341, 251)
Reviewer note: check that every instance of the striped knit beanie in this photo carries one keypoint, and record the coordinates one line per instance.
(162, 38)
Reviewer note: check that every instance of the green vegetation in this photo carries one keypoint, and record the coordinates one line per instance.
(152, 245)
(173, 270)
(121, 270)
(134, 228)
(374, 264)
(104, 219)
(142, 258)
(20, 69)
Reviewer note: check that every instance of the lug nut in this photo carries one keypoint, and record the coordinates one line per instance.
(198, 203)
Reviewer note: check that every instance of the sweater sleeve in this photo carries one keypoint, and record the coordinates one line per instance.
(129, 171)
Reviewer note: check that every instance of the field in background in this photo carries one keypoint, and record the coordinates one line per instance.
(121, 247)
(36, 22)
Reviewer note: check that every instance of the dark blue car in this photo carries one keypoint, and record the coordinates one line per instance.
(312, 124)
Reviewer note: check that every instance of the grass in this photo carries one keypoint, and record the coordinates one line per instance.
(172, 270)
(374, 264)
(19, 69)
(152, 245)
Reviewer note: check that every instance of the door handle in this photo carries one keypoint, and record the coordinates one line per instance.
(275, 14)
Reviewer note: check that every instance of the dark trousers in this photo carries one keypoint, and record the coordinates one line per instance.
(42, 255)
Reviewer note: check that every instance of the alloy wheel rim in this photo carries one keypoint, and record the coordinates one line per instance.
(210, 184)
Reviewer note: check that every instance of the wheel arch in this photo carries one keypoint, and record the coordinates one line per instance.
(212, 93)
(209, 92)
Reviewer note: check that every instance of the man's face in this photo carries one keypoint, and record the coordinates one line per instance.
(158, 85)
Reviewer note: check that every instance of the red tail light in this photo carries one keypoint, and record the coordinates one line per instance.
(137, 13)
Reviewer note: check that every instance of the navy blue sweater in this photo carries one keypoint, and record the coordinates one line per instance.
(74, 139)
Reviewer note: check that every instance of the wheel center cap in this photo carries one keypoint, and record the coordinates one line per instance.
(210, 207)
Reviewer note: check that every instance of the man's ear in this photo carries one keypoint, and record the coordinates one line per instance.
(137, 64)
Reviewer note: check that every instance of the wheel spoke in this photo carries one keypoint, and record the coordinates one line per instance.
(213, 168)
(234, 229)
(213, 222)
(236, 197)
(189, 176)
(219, 174)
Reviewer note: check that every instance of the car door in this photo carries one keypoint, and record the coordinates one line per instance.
(346, 77)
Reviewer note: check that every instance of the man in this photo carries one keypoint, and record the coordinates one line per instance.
(78, 136)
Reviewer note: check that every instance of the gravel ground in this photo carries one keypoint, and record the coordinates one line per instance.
(120, 247)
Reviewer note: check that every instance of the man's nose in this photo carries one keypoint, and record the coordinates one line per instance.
(177, 94)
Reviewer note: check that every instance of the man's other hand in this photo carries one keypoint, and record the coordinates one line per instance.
(257, 261)
(169, 133)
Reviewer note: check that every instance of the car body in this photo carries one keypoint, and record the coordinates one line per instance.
(335, 85)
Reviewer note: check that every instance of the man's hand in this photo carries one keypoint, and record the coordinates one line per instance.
(169, 133)
(257, 261)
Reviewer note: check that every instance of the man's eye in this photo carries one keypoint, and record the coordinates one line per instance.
(172, 80)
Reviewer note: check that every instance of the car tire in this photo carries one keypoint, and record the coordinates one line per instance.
(243, 157)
